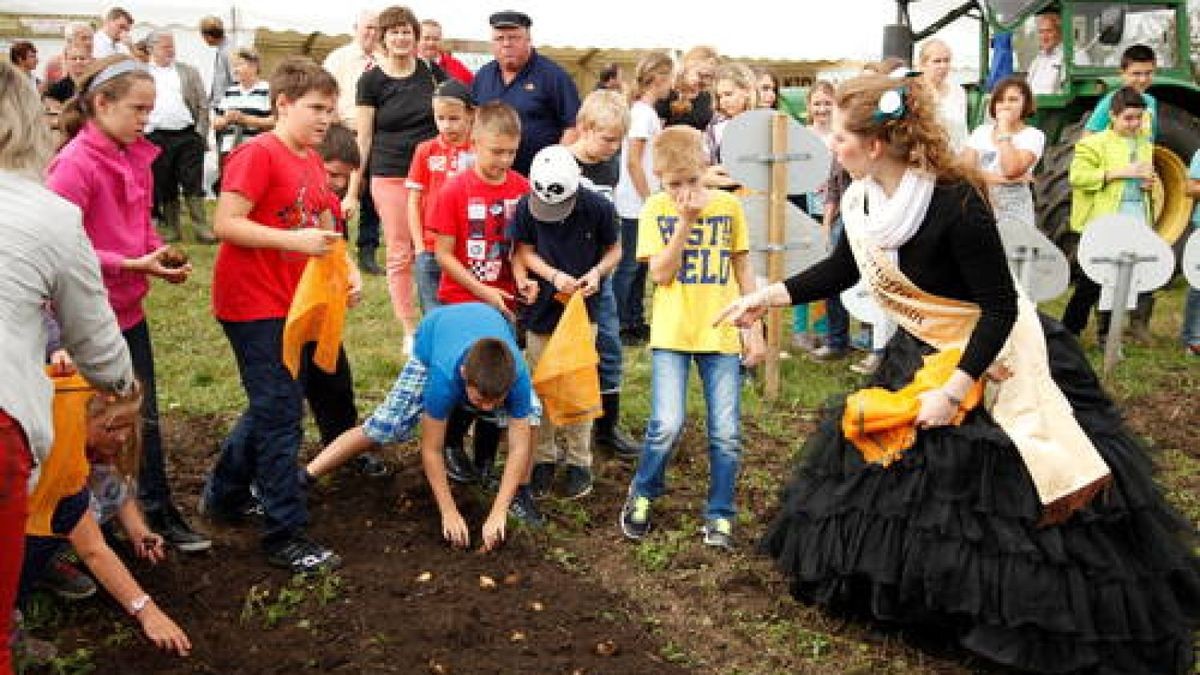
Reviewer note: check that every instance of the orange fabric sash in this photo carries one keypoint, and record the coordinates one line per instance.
(881, 423)
(318, 310)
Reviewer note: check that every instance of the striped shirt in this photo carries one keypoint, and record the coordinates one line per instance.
(253, 101)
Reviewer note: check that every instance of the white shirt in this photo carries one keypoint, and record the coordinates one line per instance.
(952, 108)
(170, 111)
(1011, 202)
(347, 63)
(644, 124)
(103, 46)
(1045, 71)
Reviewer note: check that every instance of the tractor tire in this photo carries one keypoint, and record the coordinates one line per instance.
(1052, 187)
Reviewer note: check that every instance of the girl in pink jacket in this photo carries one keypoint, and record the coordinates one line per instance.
(105, 170)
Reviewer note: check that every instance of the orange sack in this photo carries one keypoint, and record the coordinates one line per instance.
(566, 378)
(881, 423)
(318, 310)
(65, 471)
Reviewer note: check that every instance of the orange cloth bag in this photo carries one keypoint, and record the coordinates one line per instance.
(566, 378)
(66, 469)
(318, 310)
(881, 423)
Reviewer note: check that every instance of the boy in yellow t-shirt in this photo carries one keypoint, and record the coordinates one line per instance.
(698, 269)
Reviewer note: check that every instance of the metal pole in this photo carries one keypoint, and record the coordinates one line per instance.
(775, 237)
(1112, 348)
(1023, 259)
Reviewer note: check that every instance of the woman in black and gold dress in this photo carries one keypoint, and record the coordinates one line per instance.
(1020, 513)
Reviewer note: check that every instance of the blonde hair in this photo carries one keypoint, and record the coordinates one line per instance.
(916, 138)
(700, 53)
(649, 68)
(604, 109)
(743, 78)
(495, 117)
(128, 458)
(923, 52)
(25, 139)
(679, 148)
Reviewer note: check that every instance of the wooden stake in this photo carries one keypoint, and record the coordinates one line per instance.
(776, 220)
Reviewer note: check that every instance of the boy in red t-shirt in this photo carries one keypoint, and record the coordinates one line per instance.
(275, 211)
(474, 248)
(434, 162)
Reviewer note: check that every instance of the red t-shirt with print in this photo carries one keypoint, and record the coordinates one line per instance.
(289, 192)
(478, 214)
(434, 162)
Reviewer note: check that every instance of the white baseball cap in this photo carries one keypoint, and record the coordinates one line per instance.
(554, 176)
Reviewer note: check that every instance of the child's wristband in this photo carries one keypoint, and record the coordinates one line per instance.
(138, 604)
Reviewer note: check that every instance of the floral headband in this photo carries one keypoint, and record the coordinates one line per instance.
(891, 103)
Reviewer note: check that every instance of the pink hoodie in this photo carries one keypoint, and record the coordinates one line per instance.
(114, 189)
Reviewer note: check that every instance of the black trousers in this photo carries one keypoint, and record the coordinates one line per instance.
(330, 396)
(180, 166)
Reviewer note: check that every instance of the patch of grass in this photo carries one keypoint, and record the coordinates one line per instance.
(78, 662)
(655, 553)
(320, 588)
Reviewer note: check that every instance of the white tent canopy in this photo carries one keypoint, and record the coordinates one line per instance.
(798, 30)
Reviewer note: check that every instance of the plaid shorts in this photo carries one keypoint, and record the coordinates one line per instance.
(396, 419)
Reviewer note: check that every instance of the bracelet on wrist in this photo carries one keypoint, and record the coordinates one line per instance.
(138, 604)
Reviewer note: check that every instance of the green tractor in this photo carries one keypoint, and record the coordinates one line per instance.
(1094, 34)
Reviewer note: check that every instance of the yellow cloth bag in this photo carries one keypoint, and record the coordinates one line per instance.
(318, 310)
(881, 423)
(566, 378)
(65, 471)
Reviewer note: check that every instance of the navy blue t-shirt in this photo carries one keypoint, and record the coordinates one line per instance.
(574, 245)
(443, 340)
(544, 96)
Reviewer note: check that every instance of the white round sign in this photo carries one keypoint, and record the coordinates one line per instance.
(1039, 266)
(1107, 238)
(746, 151)
(1191, 260)
(804, 242)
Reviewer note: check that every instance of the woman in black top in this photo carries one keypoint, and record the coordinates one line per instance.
(395, 114)
(962, 532)
(691, 101)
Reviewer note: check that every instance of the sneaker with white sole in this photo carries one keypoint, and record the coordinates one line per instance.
(65, 580)
(869, 364)
(635, 517)
(301, 555)
(524, 509)
(579, 482)
(718, 533)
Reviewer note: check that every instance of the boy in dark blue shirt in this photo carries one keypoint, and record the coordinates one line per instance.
(567, 241)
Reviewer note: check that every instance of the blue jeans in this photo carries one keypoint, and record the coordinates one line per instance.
(1190, 333)
(835, 311)
(608, 338)
(429, 276)
(629, 279)
(721, 375)
(154, 492)
(264, 445)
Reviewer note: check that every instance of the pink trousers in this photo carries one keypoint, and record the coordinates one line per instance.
(391, 202)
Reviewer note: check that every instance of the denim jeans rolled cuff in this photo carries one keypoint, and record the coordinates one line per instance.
(264, 446)
(429, 276)
(608, 339)
(629, 279)
(154, 492)
(721, 379)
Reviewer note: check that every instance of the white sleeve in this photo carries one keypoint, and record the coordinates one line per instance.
(643, 121)
(1031, 139)
(980, 139)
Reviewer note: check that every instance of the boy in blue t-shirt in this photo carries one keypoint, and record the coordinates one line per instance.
(1138, 64)
(464, 356)
(567, 241)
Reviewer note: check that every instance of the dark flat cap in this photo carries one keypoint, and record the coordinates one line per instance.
(510, 19)
(452, 88)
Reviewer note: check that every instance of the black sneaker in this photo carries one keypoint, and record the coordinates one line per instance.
(65, 580)
(210, 512)
(541, 481)
(301, 555)
(524, 509)
(635, 517)
(371, 466)
(622, 445)
(459, 467)
(169, 522)
(579, 481)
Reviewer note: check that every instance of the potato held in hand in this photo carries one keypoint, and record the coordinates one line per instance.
(173, 258)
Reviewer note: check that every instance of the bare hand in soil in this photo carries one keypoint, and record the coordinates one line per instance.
(493, 530)
(163, 632)
(455, 531)
(151, 547)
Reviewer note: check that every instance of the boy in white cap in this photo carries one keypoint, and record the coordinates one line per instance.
(567, 241)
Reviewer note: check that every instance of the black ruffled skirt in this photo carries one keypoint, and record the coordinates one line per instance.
(947, 538)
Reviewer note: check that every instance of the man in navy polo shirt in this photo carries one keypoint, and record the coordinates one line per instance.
(539, 89)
